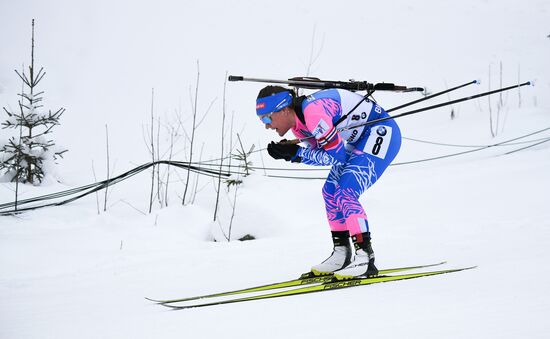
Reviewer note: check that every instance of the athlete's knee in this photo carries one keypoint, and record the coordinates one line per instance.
(346, 198)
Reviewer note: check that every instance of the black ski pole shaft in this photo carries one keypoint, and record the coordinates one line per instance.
(432, 96)
(372, 122)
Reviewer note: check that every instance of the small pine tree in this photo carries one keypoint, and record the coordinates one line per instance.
(24, 156)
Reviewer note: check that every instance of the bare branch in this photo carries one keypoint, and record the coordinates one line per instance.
(206, 113)
(108, 161)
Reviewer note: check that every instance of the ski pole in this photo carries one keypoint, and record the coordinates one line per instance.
(372, 122)
(375, 121)
(432, 96)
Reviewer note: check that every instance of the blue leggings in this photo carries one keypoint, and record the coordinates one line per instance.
(372, 154)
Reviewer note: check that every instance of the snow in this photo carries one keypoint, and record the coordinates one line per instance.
(71, 272)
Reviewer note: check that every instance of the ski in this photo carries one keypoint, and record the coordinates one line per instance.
(332, 285)
(305, 279)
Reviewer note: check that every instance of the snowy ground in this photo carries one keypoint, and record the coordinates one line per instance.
(87, 279)
(69, 272)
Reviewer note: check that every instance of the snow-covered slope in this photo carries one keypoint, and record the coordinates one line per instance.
(68, 272)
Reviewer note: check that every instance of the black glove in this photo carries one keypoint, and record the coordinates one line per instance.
(283, 151)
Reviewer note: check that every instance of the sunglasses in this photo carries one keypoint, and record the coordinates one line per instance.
(266, 118)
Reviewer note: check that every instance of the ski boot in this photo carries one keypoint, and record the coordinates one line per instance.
(363, 264)
(340, 257)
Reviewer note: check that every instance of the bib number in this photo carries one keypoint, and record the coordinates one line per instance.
(378, 141)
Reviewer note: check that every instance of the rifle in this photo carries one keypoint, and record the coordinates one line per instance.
(316, 83)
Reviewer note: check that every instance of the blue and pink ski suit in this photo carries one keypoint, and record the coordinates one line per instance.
(358, 155)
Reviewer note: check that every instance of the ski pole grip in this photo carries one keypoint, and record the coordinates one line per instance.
(235, 78)
(289, 142)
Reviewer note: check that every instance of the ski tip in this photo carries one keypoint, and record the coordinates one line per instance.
(436, 264)
(155, 300)
(464, 268)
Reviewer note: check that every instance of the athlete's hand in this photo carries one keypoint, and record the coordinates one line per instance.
(283, 151)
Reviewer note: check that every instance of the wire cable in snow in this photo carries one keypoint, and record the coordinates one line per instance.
(526, 147)
(199, 167)
(91, 188)
(477, 149)
(469, 146)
